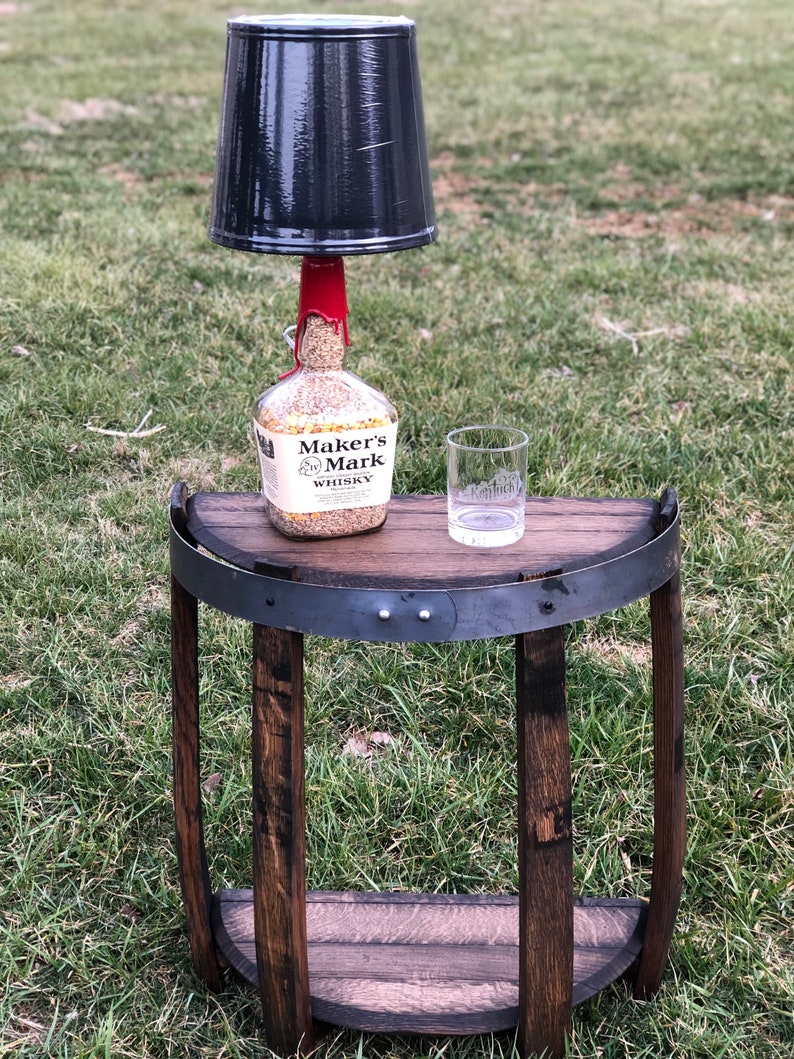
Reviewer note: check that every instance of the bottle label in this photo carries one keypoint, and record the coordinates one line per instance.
(327, 471)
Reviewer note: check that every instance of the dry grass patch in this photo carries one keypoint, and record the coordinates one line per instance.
(674, 212)
(722, 292)
(128, 179)
(453, 191)
(471, 196)
(677, 213)
(71, 110)
(614, 652)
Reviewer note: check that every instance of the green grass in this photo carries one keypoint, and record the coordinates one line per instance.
(615, 194)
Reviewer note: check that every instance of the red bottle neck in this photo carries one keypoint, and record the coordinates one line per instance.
(322, 293)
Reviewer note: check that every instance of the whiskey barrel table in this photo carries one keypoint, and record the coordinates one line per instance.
(425, 963)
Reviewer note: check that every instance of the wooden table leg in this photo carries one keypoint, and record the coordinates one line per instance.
(280, 840)
(669, 828)
(190, 849)
(545, 849)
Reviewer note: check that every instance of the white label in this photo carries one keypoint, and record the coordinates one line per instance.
(327, 471)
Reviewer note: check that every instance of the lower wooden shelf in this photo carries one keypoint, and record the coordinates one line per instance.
(429, 963)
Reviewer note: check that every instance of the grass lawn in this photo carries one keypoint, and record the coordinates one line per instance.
(614, 184)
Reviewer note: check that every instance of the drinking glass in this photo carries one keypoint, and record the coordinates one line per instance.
(486, 485)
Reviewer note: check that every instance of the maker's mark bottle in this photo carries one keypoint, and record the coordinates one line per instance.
(325, 438)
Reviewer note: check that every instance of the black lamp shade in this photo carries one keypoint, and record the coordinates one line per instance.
(322, 141)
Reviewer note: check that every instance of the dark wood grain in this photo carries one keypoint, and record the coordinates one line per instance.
(669, 842)
(560, 532)
(277, 757)
(545, 849)
(190, 849)
(430, 963)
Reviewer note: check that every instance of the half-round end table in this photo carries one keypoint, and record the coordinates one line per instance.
(425, 963)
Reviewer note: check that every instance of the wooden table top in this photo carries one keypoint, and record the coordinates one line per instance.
(413, 549)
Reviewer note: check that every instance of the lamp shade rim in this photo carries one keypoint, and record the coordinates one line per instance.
(322, 246)
(320, 26)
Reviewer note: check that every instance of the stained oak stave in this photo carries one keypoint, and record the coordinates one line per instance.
(429, 963)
